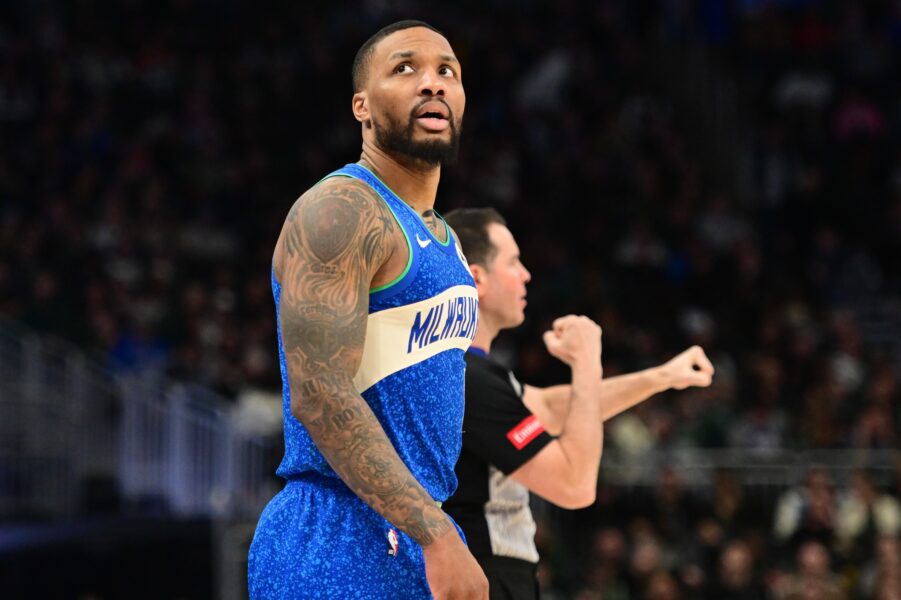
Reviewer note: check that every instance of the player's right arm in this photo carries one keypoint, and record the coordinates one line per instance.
(335, 240)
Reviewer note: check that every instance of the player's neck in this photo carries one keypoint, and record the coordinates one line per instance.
(413, 181)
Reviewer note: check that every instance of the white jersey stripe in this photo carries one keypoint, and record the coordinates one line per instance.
(400, 337)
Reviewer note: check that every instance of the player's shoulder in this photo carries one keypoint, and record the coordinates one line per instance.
(334, 214)
(336, 203)
(338, 191)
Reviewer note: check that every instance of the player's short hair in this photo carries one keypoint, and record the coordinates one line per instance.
(471, 226)
(364, 54)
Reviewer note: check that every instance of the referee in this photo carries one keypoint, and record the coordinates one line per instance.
(519, 438)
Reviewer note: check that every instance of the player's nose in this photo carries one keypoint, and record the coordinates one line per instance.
(430, 84)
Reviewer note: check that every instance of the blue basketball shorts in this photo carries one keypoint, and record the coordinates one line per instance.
(317, 539)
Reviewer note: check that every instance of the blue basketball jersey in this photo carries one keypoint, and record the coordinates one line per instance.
(412, 371)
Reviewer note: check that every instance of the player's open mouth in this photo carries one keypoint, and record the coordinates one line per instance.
(433, 122)
(433, 116)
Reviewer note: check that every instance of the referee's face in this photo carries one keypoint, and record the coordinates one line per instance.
(502, 285)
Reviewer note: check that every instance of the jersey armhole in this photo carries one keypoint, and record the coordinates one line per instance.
(406, 270)
(403, 230)
(447, 231)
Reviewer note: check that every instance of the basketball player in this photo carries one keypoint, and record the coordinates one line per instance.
(520, 438)
(376, 308)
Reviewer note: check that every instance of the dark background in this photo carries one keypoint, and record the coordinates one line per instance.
(682, 171)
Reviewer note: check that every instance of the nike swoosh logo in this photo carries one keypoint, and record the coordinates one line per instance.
(422, 243)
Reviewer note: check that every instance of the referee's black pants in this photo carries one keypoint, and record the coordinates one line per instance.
(510, 578)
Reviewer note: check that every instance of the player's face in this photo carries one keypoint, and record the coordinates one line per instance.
(503, 293)
(415, 95)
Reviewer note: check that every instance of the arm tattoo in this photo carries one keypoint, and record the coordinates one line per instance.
(336, 238)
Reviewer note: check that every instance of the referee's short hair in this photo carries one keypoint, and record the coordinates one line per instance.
(471, 226)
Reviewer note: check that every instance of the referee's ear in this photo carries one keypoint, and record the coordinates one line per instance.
(480, 275)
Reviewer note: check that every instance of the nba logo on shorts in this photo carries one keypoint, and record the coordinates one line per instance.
(392, 541)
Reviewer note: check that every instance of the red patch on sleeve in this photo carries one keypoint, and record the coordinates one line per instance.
(527, 430)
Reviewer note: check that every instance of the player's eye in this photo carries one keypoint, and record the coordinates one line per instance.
(403, 68)
(445, 70)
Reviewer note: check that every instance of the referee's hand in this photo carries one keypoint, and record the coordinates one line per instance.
(575, 340)
(452, 571)
(690, 368)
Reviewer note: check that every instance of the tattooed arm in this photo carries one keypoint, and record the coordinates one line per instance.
(336, 239)
(333, 243)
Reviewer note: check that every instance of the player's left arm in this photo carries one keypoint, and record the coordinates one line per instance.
(620, 393)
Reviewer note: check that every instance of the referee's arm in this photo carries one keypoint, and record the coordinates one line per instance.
(620, 393)
(565, 471)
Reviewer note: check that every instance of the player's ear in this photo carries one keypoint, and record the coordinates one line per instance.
(360, 107)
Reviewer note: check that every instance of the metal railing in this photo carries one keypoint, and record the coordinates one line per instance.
(776, 469)
(180, 446)
(65, 421)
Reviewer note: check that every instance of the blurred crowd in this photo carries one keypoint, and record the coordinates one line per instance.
(150, 151)
(819, 540)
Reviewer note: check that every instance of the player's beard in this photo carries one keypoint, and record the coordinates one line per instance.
(394, 137)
